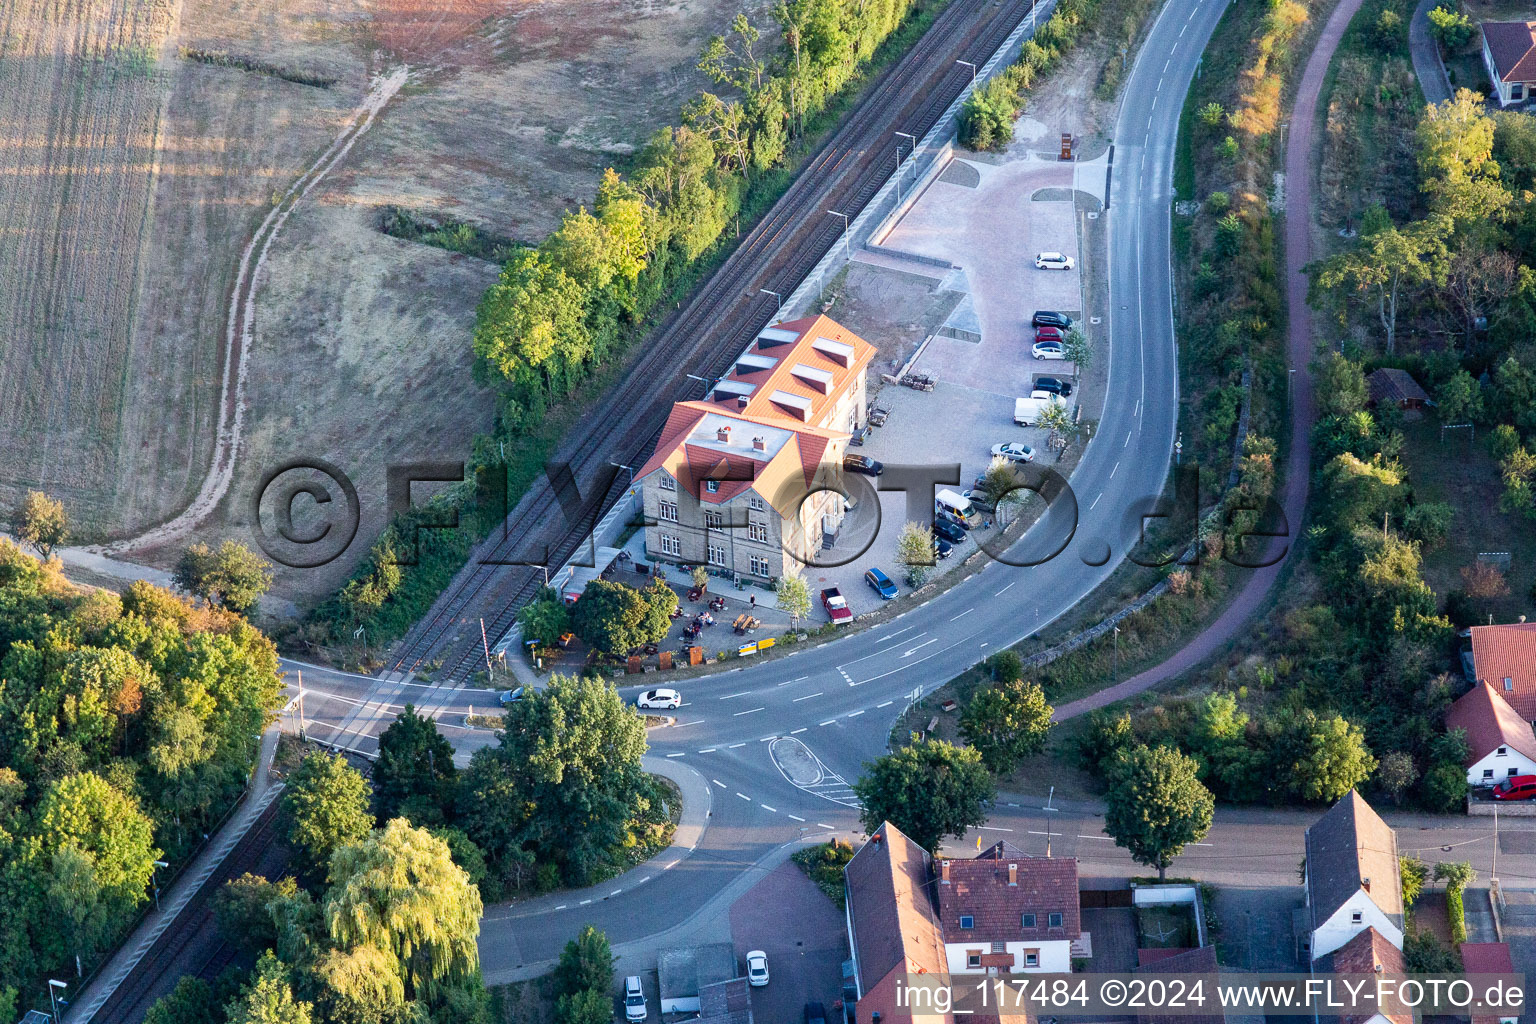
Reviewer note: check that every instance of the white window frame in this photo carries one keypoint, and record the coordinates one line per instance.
(717, 554)
(712, 486)
(714, 521)
(1031, 958)
(667, 482)
(671, 545)
(667, 510)
(760, 566)
(755, 503)
(758, 532)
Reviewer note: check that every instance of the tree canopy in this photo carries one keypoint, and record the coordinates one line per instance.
(326, 808)
(1156, 805)
(929, 789)
(414, 776)
(233, 577)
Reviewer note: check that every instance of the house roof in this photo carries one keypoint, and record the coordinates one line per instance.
(1490, 723)
(890, 907)
(1513, 46)
(1390, 384)
(1508, 652)
(1348, 849)
(794, 372)
(725, 1002)
(1368, 953)
(980, 889)
(1479, 958)
(1177, 961)
(700, 441)
(687, 971)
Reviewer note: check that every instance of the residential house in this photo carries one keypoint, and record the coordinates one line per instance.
(1499, 742)
(1352, 877)
(1489, 958)
(750, 478)
(1509, 54)
(687, 975)
(1504, 657)
(1391, 386)
(1005, 912)
(1370, 953)
(1186, 962)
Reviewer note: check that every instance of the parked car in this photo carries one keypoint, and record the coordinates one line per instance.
(1516, 787)
(510, 696)
(1013, 452)
(880, 583)
(863, 464)
(1050, 318)
(949, 531)
(1048, 350)
(1054, 261)
(1049, 334)
(836, 605)
(942, 548)
(661, 700)
(1054, 385)
(757, 968)
(634, 999)
(980, 497)
(815, 1013)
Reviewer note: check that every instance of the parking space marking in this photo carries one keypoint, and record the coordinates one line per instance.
(808, 696)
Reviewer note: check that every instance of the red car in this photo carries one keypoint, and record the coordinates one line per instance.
(1516, 787)
(1048, 334)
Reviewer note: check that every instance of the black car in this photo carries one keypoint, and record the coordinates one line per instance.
(1050, 318)
(815, 1014)
(863, 464)
(1054, 385)
(942, 548)
(948, 531)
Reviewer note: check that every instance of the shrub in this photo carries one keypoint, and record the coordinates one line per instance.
(1218, 202)
(1212, 114)
(824, 865)
(1451, 29)
(1387, 32)
(1228, 149)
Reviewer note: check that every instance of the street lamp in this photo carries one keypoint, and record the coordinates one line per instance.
(621, 465)
(973, 66)
(847, 237)
(55, 1000)
(155, 880)
(776, 295)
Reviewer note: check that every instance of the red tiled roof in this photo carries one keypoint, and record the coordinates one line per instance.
(1486, 958)
(894, 924)
(1489, 723)
(1513, 45)
(1508, 652)
(979, 889)
(781, 377)
(1368, 953)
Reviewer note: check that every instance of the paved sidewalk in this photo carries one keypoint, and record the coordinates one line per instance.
(174, 898)
(1427, 65)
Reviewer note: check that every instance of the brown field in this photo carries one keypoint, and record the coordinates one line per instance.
(144, 180)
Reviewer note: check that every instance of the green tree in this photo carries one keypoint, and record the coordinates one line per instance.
(545, 619)
(929, 789)
(41, 522)
(86, 813)
(794, 596)
(232, 577)
(1387, 31)
(1077, 350)
(244, 909)
(325, 806)
(1212, 115)
(1156, 805)
(1456, 162)
(987, 116)
(586, 1007)
(1383, 265)
(1460, 398)
(361, 985)
(268, 997)
(531, 326)
(1341, 387)
(1450, 28)
(1414, 874)
(612, 617)
(660, 603)
(192, 1001)
(1007, 722)
(586, 963)
(400, 892)
(1318, 758)
(1396, 775)
(916, 552)
(1055, 418)
(414, 775)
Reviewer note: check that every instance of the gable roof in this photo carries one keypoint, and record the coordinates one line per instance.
(1508, 652)
(1368, 953)
(979, 889)
(1201, 960)
(1389, 384)
(1512, 44)
(1489, 723)
(890, 909)
(1348, 849)
(794, 372)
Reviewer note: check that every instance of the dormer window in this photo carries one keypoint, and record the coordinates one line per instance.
(1026, 920)
(712, 486)
(1054, 920)
(967, 921)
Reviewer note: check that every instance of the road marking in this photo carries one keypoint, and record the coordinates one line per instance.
(733, 746)
(562, 906)
(886, 704)
(855, 714)
(1000, 593)
(675, 755)
(743, 693)
(1112, 471)
(827, 722)
(925, 643)
(1137, 410)
(1095, 501)
(808, 696)
(707, 750)
(745, 797)
(765, 807)
(719, 783)
(994, 828)
(822, 825)
(794, 817)
(797, 732)
(614, 893)
(961, 615)
(765, 739)
(584, 903)
(1181, 36)
(747, 712)
(1128, 434)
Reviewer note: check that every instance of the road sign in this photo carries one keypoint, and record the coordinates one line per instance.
(746, 649)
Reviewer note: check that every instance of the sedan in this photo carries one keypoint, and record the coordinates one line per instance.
(757, 968)
(1054, 261)
(1050, 318)
(660, 700)
(1054, 385)
(1013, 452)
(880, 583)
(863, 464)
(1048, 334)
(508, 697)
(1048, 350)
(948, 531)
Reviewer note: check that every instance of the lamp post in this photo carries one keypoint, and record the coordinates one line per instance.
(973, 66)
(847, 238)
(54, 986)
(621, 465)
(155, 881)
(776, 295)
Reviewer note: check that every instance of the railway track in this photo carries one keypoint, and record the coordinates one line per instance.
(703, 337)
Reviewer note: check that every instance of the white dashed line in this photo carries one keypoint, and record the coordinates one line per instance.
(707, 750)
(808, 696)
(886, 704)
(1128, 434)
(1000, 593)
(584, 902)
(719, 783)
(1112, 471)
(765, 807)
(822, 825)
(794, 817)
(743, 693)
(796, 732)
(827, 722)
(994, 828)
(961, 615)
(614, 893)
(854, 714)
(733, 746)
(1095, 501)
(745, 797)
(675, 755)
(747, 712)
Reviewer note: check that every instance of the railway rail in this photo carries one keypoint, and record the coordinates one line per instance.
(702, 338)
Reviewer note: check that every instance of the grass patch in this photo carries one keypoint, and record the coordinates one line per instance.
(824, 865)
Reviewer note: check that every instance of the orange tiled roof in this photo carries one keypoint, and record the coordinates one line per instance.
(1489, 723)
(794, 381)
(1508, 652)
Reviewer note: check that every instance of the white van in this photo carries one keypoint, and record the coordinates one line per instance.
(954, 505)
(634, 1000)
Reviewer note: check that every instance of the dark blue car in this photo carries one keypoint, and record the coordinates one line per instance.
(881, 583)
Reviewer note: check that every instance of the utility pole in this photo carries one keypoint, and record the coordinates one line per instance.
(302, 737)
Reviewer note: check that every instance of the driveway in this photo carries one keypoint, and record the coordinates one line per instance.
(804, 935)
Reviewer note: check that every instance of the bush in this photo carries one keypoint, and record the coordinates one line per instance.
(1451, 29)
(824, 865)
(1387, 32)
(986, 120)
(1218, 202)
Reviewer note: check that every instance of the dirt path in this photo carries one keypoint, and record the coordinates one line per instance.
(1255, 591)
(242, 317)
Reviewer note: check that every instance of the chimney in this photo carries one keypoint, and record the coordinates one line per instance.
(944, 870)
(759, 445)
(1365, 883)
(742, 401)
(1013, 874)
(723, 434)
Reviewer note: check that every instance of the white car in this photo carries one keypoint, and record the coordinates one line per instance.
(660, 700)
(1014, 452)
(1054, 261)
(757, 968)
(634, 999)
(1048, 350)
